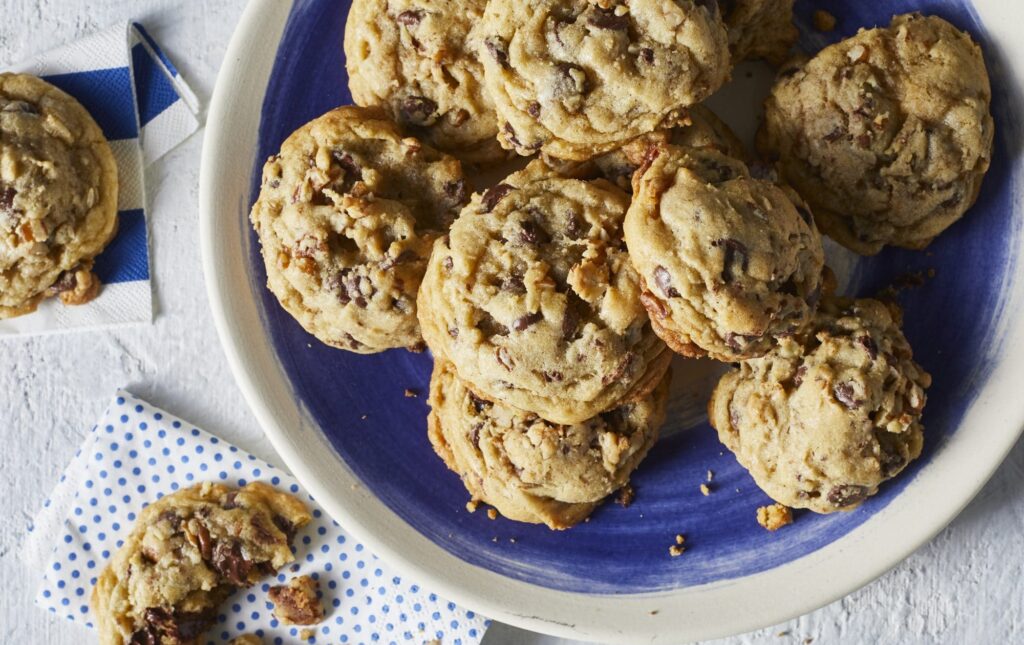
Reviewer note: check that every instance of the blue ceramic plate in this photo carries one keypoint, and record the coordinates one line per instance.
(342, 423)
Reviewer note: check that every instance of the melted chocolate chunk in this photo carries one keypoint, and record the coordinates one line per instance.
(533, 109)
(846, 395)
(7, 196)
(606, 19)
(532, 233)
(493, 195)
(869, 345)
(67, 281)
(647, 55)
(847, 494)
(498, 49)
(664, 282)
(735, 255)
(479, 404)
(523, 322)
(284, 526)
(353, 173)
(418, 110)
(228, 561)
(410, 18)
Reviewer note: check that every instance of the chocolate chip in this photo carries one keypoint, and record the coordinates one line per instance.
(647, 55)
(620, 369)
(575, 228)
(504, 359)
(571, 318)
(864, 140)
(448, 263)
(498, 49)
(453, 332)
(167, 626)
(491, 327)
(523, 322)
(952, 201)
(493, 195)
(533, 233)
(7, 196)
(798, 377)
(456, 190)
(229, 501)
(67, 281)
(284, 526)
(664, 281)
(533, 109)
(717, 172)
(513, 284)
(847, 494)
(606, 19)
(228, 561)
(410, 18)
(418, 110)
(296, 604)
(738, 341)
(205, 541)
(353, 173)
(475, 436)
(868, 343)
(846, 395)
(735, 253)
(171, 518)
(479, 404)
(553, 376)
(891, 460)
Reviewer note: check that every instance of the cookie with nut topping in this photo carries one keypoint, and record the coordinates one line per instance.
(831, 413)
(58, 196)
(887, 134)
(533, 298)
(532, 470)
(575, 79)
(728, 263)
(187, 553)
(417, 59)
(346, 216)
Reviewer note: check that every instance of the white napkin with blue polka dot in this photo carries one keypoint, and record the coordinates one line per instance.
(145, 109)
(137, 454)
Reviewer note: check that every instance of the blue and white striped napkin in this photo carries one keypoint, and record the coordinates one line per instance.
(135, 455)
(145, 109)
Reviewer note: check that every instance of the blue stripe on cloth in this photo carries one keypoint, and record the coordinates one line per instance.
(107, 95)
(156, 49)
(127, 257)
(154, 90)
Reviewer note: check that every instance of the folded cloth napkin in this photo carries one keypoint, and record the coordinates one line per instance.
(145, 109)
(136, 454)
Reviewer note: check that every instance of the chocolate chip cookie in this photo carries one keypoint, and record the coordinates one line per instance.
(760, 29)
(887, 134)
(728, 263)
(346, 216)
(58, 196)
(830, 413)
(417, 59)
(532, 470)
(577, 78)
(533, 298)
(187, 553)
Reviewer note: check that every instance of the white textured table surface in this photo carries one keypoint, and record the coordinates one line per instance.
(963, 587)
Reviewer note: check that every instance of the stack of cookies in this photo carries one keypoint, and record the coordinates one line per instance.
(554, 299)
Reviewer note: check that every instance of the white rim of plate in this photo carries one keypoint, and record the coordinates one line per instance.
(938, 493)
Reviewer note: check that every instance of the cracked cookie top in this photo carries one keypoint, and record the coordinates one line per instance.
(829, 414)
(533, 298)
(346, 216)
(887, 134)
(579, 78)
(728, 263)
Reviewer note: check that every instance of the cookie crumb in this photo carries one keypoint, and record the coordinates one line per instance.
(410, 393)
(653, 612)
(680, 538)
(307, 634)
(492, 514)
(626, 496)
(809, 640)
(784, 632)
(472, 505)
(774, 517)
(675, 550)
(705, 490)
(824, 21)
(711, 475)
(296, 603)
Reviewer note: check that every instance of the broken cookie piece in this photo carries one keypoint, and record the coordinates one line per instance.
(186, 554)
(774, 516)
(297, 603)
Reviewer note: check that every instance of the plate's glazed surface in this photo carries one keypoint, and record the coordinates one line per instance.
(958, 321)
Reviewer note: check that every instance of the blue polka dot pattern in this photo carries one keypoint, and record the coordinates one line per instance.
(126, 462)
